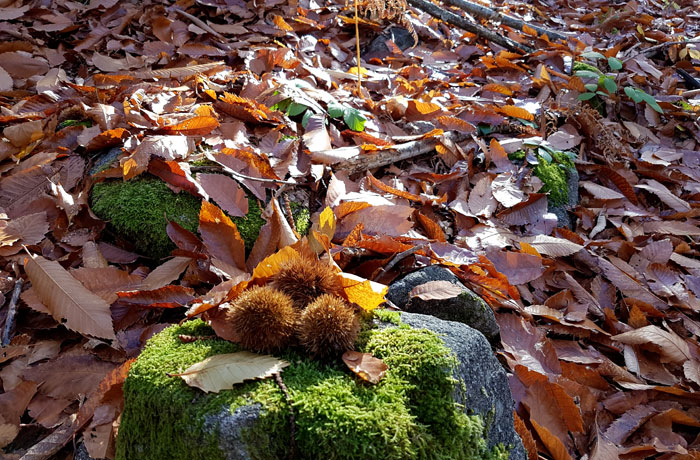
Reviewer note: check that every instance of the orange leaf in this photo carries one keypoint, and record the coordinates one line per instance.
(367, 294)
(281, 23)
(271, 264)
(348, 207)
(197, 126)
(432, 229)
(455, 124)
(496, 88)
(516, 112)
(222, 238)
(388, 189)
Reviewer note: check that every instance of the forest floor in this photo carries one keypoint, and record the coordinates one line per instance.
(454, 151)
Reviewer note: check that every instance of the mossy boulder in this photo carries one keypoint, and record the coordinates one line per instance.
(138, 211)
(418, 411)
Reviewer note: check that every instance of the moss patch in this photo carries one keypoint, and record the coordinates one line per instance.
(555, 177)
(139, 210)
(409, 415)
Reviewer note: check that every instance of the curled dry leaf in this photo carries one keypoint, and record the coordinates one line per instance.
(221, 372)
(366, 366)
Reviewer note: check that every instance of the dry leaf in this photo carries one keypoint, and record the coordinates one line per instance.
(366, 366)
(221, 372)
(436, 290)
(68, 300)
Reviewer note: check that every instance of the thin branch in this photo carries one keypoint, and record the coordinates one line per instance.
(11, 313)
(400, 152)
(292, 422)
(398, 258)
(241, 175)
(652, 49)
(456, 20)
(487, 13)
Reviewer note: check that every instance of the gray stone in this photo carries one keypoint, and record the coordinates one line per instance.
(486, 391)
(229, 427)
(467, 308)
(562, 211)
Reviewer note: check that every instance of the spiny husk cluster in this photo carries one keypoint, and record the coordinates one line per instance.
(304, 280)
(263, 319)
(328, 327)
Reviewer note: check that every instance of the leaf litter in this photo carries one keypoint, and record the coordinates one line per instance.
(599, 319)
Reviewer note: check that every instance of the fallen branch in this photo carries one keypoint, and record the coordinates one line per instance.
(400, 152)
(456, 20)
(487, 13)
(11, 312)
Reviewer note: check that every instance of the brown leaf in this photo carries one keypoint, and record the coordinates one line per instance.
(68, 300)
(222, 239)
(226, 192)
(388, 189)
(106, 282)
(197, 126)
(671, 347)
(365, 366)
(69, 376)
(171, 296)
(436, 290)
(519, 268)
(12, 405)
(166, 273)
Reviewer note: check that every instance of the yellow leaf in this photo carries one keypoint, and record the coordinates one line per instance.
(365, 293)
(529, 249)
(271, 264)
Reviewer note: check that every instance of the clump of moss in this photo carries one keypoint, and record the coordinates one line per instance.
(139, 210)
(302, 217)
(555, 176)
(409, 415)
(249, 225)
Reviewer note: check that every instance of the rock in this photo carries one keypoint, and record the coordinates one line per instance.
(562, 210)
(436, 369)
(467, 308)
(397, 37)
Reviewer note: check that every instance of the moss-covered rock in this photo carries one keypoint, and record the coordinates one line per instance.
(138, 210)
(411, 414)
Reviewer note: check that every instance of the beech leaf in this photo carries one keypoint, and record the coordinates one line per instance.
(69, 302)
(366, 366)
(221, 372)
(436, 290)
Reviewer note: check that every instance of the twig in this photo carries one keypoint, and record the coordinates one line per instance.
(201, 24)
(398, 258)
(400, 152)
(11, 312)
(655, 48)
(292, 422)
(288, 213)
(451, 18)
(241, 175)
(488, 13)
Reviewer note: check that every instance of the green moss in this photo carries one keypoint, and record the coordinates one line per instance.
(578, 65)
(518, 155)
(409, 415)
(302, 217)
(249, 226)
(555, 177)
(139, 211)
(388, 316)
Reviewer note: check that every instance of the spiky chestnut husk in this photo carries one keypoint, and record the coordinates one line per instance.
(263, 319)
(328, 327)
(305, 279)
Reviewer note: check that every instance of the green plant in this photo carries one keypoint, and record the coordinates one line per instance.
(603, 85)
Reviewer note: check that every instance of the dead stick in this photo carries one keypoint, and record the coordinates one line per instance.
(11, 312)
(292, 422)
(400, 152)
(487, 13)
(451, 18)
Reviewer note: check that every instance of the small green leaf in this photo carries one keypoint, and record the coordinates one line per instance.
(610, 85)
(335, 110)
(295, 109)
(545, 155)
(602, 94)
(586, 96)
(282, 105)
(592, 55)
(354, 119)
(305, 118)
(587, 74)
(614, 63)
(652, 102)
(591, 86)
(634, 94)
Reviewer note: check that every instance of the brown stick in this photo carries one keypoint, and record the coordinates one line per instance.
(451, 18)
(398, 153)
(487, 13)
(292, 422)
(11, 312)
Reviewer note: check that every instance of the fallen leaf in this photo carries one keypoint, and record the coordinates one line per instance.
(68, 300)
(221, 372)
(436, 290)
(366, 366)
